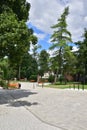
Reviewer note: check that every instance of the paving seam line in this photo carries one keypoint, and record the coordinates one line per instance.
(45, 122)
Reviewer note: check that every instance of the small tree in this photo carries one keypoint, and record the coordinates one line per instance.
(29, 66)
(43, 62)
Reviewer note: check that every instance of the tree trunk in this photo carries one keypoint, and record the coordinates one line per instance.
(55, 79)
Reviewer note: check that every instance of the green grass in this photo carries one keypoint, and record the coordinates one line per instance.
(62, 86)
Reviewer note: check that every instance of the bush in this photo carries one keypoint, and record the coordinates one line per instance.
(51, 78)
(3, 84)
(61, 79)
(43, 80)
(33, 77)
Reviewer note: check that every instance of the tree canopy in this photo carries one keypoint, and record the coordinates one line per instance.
(82, 54)
(15, 36)
(19, 7)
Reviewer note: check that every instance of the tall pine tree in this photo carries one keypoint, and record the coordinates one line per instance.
(60, 38)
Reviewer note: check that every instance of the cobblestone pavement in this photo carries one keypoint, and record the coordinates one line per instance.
(37, 108)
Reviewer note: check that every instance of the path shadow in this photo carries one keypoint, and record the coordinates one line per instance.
(22, 103)
(13, 97)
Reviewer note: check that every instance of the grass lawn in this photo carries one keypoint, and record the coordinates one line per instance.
(63, 86)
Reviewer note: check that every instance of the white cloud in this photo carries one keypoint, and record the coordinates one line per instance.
(52, 52)
(75, 19)
(85, 19)
(49, 41)
(40, 36)
(32, 47)
(44, 14)
(74, 49)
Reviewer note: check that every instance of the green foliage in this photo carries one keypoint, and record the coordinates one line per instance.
(19, 7)
(61, 35)
(41, 72)
(15, 37)
(33, 77)
(61, 78)
(3, 84)
(69, 61)
(54, 64)
(82, 55)
(51, 78)
(60, 39)
(35, 50)
(4, 68)
(43, 62)
(28, 66)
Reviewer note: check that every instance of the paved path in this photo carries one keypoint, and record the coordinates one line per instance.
(36, 108)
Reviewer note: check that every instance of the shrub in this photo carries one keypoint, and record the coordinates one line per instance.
(33, 77)
(3, 84)
(51, 78)
(43, 80)
(61, 79)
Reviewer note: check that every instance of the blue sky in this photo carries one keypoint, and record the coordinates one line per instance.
(43, 38)
(44, 13)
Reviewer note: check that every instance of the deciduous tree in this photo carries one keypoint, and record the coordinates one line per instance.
(43, 62)
(15, 36)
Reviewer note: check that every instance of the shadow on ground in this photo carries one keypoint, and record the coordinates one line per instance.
(22, 103)
(14, 98)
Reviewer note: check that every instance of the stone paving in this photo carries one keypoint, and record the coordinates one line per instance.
(36, 108)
